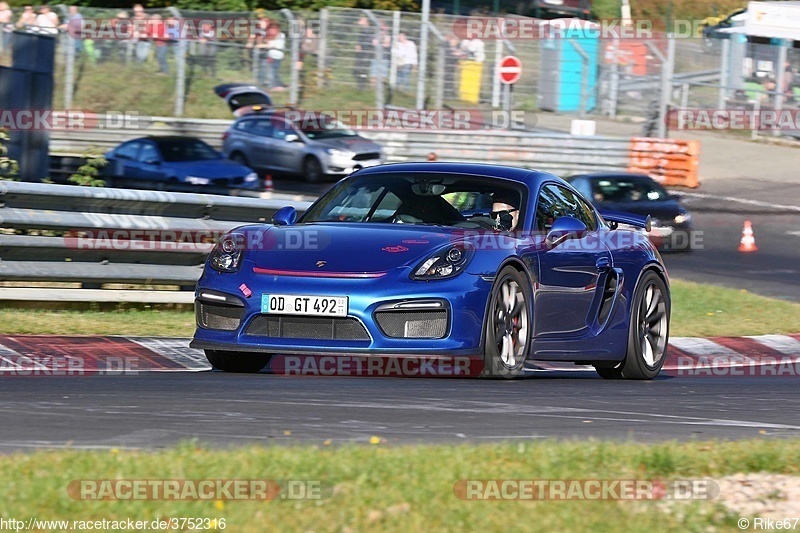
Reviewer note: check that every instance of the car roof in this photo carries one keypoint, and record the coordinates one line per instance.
(529, 177)
(613, 175)
(158, 138)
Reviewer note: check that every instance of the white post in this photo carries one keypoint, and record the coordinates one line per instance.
(423, 53)
(395, 32)
(498, 56)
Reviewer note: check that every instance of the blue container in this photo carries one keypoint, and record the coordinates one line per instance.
(563, 67)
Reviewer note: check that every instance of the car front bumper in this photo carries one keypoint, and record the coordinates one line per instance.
(375, 325)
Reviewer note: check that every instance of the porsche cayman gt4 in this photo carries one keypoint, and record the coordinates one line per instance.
(499, 264)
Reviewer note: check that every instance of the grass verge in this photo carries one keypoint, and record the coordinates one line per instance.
(375, 487)
(697, 311)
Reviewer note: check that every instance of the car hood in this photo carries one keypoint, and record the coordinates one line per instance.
(359, 145)
(661, 211)
(342, 247)
(212, 168)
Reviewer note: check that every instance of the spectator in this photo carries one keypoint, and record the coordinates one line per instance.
(474, 50)
(308, 52)
(28, 18)
(72, 25)
(6, 25)
(47, 21)
(275, 46)
(141, 33)
(453, 54)
(172, 31)
(364, 53)
(433, 157)
(258, 44)
(381, 69)
(405, 54)
(123, 29)
(207, 49)
(158, 34)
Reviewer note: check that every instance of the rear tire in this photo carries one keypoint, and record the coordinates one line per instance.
(240, 362)
(508, 326)
(312, 170)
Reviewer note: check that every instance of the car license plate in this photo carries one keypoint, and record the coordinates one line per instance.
(286, 304)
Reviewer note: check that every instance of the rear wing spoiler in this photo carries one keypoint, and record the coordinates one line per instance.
(618, 217)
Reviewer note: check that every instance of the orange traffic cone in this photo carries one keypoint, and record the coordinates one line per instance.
(268, 186)
(748, 242)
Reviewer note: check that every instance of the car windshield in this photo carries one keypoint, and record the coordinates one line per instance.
(174, 150)
(422, 199)
(325, 130)
(627, 190)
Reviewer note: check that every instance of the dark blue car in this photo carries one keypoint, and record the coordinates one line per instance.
(176, 163)
(493, 263)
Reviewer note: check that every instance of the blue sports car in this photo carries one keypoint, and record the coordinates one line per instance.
(487, 262)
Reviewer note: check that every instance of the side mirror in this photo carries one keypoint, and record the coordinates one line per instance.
(564, 228)
(285, 216)
(292, 138)
(152, 162)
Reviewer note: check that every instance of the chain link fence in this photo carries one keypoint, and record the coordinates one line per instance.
(342, 58)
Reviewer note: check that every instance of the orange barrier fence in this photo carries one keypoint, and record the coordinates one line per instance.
(671, 162)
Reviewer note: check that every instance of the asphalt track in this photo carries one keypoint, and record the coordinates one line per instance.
(156, 410)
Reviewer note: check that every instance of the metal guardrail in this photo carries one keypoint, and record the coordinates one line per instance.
(558, 153)
(96, 236)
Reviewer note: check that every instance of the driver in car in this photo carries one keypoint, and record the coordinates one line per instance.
(505, 210)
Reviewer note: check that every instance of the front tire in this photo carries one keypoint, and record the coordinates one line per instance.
(508, 326)
(648, 331)
(246, 363)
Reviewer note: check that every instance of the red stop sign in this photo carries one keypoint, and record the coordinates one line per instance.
(510, 70)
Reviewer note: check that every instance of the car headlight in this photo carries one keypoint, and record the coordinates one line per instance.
(251, 177)
(227, 253)
(444, 263)
(340, 154)
(196, 180)
(683, 217)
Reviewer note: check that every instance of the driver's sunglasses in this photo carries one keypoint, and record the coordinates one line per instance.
(495, 214)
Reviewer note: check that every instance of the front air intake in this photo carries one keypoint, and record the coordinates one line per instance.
(412, 324)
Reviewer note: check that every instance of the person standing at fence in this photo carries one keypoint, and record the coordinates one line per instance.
(275, 46)
(27, 18)
(453, 55)
(380, 69)
(46, 21)
(72, 25)
(140, 33)
(6, 25)
(364, 53)
(207, 49)
(158, 34)
(257, 43)
(309, 48)
(405, 55)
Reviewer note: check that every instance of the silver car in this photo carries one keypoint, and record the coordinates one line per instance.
(271, 141)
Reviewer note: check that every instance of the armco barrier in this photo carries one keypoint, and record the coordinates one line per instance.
(559, 153)
(672, 162)
(96, 236)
